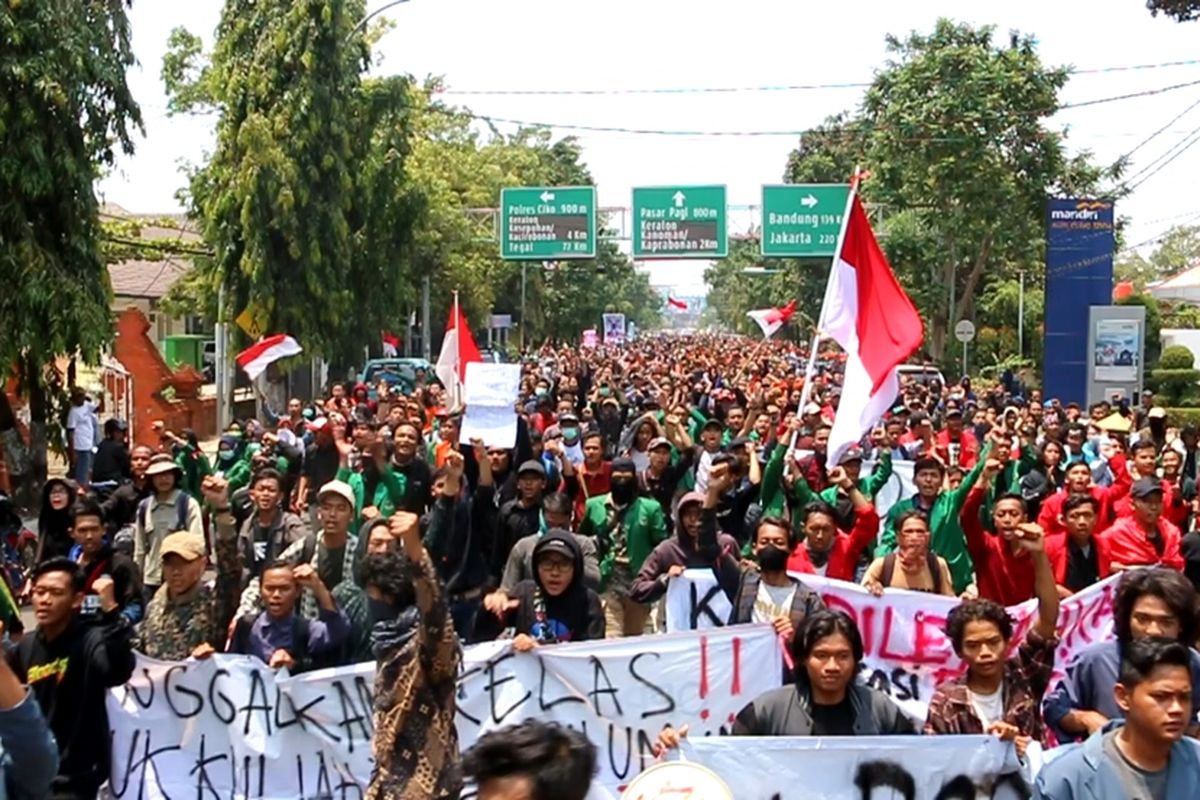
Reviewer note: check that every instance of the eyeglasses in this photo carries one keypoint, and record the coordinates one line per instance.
(555, 565)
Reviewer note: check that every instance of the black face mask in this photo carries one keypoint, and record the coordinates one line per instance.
(772, 559)
(623, 490)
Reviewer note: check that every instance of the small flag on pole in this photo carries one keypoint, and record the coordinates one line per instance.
(260, 355)
(772, 319)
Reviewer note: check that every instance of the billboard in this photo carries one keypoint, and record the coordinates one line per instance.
(1079, 268)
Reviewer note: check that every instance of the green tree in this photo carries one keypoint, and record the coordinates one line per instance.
(1178, 249)
(1180, 10)
(733, 291)
(65, 109)
(958, 142)
(302, 200)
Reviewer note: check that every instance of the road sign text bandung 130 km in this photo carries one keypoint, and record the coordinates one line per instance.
(548, 222)
(802, 220)
(679, 222)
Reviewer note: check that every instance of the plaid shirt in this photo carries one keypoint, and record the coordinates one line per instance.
(1026, 678)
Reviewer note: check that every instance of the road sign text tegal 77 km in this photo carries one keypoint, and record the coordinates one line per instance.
(803, 219)
(548, 222)
(679, 222)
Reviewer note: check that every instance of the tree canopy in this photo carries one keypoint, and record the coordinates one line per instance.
(953, 134)
(1180, 10)
(65, 110)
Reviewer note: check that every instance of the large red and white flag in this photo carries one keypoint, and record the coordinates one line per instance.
(869, 315)
(458, 350)
(675, 303)
(265, 352)
(772, 319)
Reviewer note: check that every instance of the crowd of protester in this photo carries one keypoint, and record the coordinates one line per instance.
(357, 527)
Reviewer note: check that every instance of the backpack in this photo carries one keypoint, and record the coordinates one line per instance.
(181, 512)
(931, 559)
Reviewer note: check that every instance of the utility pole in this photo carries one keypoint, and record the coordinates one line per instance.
(524, 264)
(221, 368)
(1021, 314)
(426, 345)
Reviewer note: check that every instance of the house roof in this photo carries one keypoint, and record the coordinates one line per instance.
(146, 279)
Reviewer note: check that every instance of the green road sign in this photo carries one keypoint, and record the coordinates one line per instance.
(802, 219)
(545, 223)
(679, 222)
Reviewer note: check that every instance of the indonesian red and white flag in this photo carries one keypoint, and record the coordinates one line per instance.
(674, 303)
(458, 350)
(391, 344)
(869, 315)
(772, 319)
(260, 355)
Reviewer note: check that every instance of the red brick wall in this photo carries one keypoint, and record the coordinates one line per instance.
(138, 353)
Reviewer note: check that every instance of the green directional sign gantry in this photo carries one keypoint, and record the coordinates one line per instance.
(679, 222)
(802, 219)
(547, 223)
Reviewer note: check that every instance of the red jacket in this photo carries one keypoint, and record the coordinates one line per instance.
(1124, 506)
(1106, 496)
(846, 550)
(968, 451)
(1000, 574)
(1058, 553)
(1128, 545)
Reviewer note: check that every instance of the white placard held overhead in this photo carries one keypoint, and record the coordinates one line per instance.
(490, 394)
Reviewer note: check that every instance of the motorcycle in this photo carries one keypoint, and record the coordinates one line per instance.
(20, 546)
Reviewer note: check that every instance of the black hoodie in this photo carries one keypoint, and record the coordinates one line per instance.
(573, 616)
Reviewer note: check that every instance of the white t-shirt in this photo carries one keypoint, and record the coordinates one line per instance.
(988, 707)
(772, 602)
(82, 421)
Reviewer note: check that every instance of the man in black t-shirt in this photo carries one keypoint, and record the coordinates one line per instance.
(321, 462)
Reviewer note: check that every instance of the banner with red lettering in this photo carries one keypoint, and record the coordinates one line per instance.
(906, 652)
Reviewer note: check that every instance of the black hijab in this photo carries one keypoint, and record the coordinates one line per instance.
(54, 525)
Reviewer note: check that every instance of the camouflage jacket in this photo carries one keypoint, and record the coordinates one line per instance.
(173, 627)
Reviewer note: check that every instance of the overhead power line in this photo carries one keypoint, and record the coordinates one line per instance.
(764, 133)
(794, 87)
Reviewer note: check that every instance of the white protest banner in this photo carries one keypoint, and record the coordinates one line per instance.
(614, 328)
(863, 768)
(905, 650)
(227, 727)
(695, 602)
(589, 338)
(490, 392)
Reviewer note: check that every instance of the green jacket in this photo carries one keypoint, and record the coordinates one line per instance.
(1009, 480)
(869, 486)
(645, 527)
(946, 534)
(195, 466)
(389, 492)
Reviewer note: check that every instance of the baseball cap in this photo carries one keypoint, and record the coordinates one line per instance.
(853, 453)
(953, 409)
(186, 545)
(736, 444)
(340, 488)
(161, 464)
(568, 416)
(1144, 487)
(812, 408)
(532, 467)
(557, 546)
(1158, 412)
(661, 441)
(713, 423)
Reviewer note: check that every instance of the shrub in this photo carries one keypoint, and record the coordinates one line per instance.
(1176, 357)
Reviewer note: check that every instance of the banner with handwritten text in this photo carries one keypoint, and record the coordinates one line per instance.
(228, 727)
(906, 652)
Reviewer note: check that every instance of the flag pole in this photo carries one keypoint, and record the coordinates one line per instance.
(457, 354)
(810, 369)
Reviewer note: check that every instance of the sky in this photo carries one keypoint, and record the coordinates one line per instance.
(505, 45)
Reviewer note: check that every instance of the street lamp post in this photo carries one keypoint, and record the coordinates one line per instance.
(362, 23)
